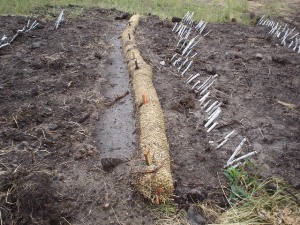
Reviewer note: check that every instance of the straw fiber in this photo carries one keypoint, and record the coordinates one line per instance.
(157, 184)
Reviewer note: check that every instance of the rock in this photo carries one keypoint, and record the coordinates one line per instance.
(91, 150)
(194, 216)
(34, 92)
(106, 206)
(234, 54)
(176, 19)
(109, 163)
(78, 156)
(36, 66)
(52, 126)
(259, 56)
(211, 69)
(39, 26)
(35, 45)
(122, 16)
(162, 63)
(84, 117)
(281, 60)
(295, 183)
(196, 195)
(98, 55)
(187, 101)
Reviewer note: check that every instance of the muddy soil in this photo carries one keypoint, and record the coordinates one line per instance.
(255, 73)
(63, 99)
(59, 94)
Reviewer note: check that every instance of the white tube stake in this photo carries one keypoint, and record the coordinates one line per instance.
(211, 106)
(206, 104)
(174, 26)
(213, 118)
(222, 143)
(198, 82)
(192, 77)
(240, 158)
(203, 99)
(237, 150)
(187, 68)
(212, 127)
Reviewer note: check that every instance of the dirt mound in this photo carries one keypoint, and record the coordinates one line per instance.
(32, 198)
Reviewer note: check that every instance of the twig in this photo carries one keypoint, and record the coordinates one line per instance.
(115, 215)
(15, 120)
(1, 218)
(226, 196)
(65, 220)
(261, 132)
(17, 168)
(32, 155)
(155, 170)
(67, 110)
(82, 131)
(110, 103)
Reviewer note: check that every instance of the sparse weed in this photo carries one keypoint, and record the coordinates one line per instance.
(258, 201)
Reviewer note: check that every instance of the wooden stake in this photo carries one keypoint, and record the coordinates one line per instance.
(148, 158)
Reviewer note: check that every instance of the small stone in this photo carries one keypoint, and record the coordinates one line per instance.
(176, 19)
(281, 60)
(106, 205)
(35, 45)
(84, 117)
(295, 183)
(122, 16)
(194, 216)
(162, 63)
(98, 55)
(36, 66)
(39, 26)
(110, 163)
(211, 69)
(52, 126)
(34, 92)
(79, 154)
(196, 195)
(259, 56)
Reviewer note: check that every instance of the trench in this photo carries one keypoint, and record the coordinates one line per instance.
(116, 126)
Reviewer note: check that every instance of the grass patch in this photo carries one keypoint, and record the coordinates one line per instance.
(257, 201)
(275, 7)
(211, 11)
(168, 214)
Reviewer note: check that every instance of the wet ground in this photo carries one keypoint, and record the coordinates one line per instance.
(67, 124)
(67, 119)
(255, 76)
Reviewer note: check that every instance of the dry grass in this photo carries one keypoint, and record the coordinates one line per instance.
(256, 201)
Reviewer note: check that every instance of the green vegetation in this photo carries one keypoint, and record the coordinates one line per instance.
(257, 201)
(275, 7)
(211, 11)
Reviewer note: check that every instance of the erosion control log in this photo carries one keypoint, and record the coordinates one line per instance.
(157, 183)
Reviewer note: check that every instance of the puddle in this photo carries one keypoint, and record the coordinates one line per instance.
(116, 126)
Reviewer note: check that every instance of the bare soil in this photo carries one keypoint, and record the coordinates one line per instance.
(250, 86)
(56, 92)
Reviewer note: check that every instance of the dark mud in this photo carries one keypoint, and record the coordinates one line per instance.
(250, 87)
(62, 113)
(117, 125)
(64, 109)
